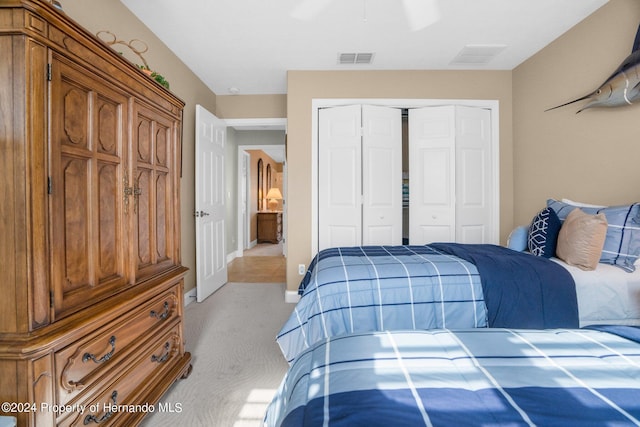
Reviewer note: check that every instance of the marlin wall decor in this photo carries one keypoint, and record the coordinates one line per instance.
(622, 88)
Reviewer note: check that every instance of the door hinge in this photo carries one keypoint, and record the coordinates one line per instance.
(49, 186)
(51, 298)
(49, 72)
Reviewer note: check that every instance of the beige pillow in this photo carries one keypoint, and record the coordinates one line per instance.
(581, 239)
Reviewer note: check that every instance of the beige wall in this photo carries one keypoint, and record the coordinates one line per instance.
(251, 106)
(553, 154)
(303, 86)
(591, 156)
(98, 15)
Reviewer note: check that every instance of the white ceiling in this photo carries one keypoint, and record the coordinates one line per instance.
(250, 44)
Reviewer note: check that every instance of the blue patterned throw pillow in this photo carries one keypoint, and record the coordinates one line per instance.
(543, 233)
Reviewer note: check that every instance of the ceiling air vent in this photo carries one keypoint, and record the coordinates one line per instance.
(477, 54)
(355, 58)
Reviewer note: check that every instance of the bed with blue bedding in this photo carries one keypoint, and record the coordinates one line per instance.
(553, 377)
(376, 288)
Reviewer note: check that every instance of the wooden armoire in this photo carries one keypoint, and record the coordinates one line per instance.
(91, 294)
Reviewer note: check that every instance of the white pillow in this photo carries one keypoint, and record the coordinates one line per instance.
(582, 205)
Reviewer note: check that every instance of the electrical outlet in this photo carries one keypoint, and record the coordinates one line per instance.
(301, 269)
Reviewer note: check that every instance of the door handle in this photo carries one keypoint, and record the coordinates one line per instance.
(201, 214)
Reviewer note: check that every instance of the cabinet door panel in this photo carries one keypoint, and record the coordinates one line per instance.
(163, 143)
(108, 221)
(155, 141)
(107, 136)
(76, 226)
(143, 217)
(75, 114)
(162, 211)
(143, 140)
(87, 161)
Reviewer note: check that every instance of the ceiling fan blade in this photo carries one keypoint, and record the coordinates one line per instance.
(421, 13)
(306, 10)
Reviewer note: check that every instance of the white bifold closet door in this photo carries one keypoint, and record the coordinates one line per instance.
(450, 175)
(359, 176)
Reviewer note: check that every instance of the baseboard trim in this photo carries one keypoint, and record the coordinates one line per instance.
(190, 296)
(291, 297)
(231, 257)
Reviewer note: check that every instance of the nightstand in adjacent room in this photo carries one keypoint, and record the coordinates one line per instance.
(269, 227)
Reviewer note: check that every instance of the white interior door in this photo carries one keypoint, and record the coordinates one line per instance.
(340, 177)
(432, 175)
(211, 263)
(382, 175)
(474, 186)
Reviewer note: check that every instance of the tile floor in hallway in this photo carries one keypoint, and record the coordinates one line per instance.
(259, 264)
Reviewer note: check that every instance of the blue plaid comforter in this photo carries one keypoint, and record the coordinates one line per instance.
(441, 285)
(358, 289)
(476, 377)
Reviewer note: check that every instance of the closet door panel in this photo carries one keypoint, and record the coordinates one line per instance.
(382, 175)
(431, 175)
(340, 177)
(474, 195)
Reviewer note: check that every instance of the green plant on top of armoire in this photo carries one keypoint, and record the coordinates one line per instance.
(138, 47)
(154, 75)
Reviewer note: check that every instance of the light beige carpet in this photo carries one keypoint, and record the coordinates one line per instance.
(237, 365)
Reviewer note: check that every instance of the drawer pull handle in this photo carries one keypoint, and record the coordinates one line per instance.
(93, 418)
(162, 315)
(106, 357)
(164, 357)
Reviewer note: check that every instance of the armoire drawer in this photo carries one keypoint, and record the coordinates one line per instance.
(84, 362)
(143, 369)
